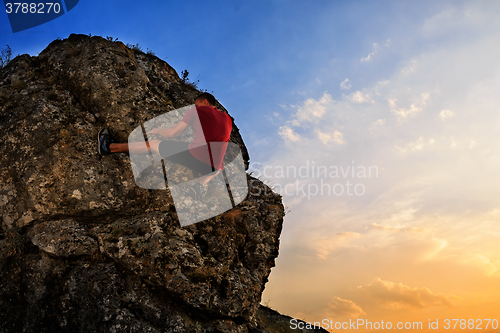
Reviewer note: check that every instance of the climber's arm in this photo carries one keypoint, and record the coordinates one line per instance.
(170, 132)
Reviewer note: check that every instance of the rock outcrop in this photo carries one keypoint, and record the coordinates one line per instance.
(82, 248)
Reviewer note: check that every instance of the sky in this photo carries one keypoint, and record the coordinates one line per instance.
(378, 123)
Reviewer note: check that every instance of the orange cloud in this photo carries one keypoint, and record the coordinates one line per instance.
(326, 245)
(391, 228)
(398, 296)
(412, 243)
(339, 307)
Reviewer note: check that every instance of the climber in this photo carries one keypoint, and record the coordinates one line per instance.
(200, 155)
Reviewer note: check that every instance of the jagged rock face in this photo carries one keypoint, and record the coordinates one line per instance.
(82, 248)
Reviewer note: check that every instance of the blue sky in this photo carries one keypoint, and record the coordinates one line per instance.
(254, 55)
(408, 88)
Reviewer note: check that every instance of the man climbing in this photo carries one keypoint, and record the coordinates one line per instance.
(211, 131)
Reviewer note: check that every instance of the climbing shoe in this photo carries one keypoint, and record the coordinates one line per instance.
(104, 140)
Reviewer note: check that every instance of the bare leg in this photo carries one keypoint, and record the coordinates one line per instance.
(118, 147)
(138, 148)
(205, 179)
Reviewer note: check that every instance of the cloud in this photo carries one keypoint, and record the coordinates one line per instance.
(339, 307)
(288, 134)
(336, 137)
(478, 261)
(312, 109)
(370, 56)
(410, 68)
(417, 145)
(345, 85)
(399, 296)
(398, 238)
(324, 246)
(395, 229)
(415, 107)
(403, 113)
(446, 114)
(358, 97)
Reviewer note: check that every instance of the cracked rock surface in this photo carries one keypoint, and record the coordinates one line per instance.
(82, 248)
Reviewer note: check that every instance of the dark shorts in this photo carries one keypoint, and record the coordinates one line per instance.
(178, 152)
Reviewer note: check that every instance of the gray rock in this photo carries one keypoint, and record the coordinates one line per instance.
(82, 248)
(63, 238)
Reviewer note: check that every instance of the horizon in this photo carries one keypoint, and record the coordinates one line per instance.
(403, 95)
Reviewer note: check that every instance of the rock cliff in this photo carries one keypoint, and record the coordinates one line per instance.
(82, 248)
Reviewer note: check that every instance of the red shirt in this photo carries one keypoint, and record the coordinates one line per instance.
(209, 126)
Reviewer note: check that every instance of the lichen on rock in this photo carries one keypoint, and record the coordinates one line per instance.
(82, 248)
